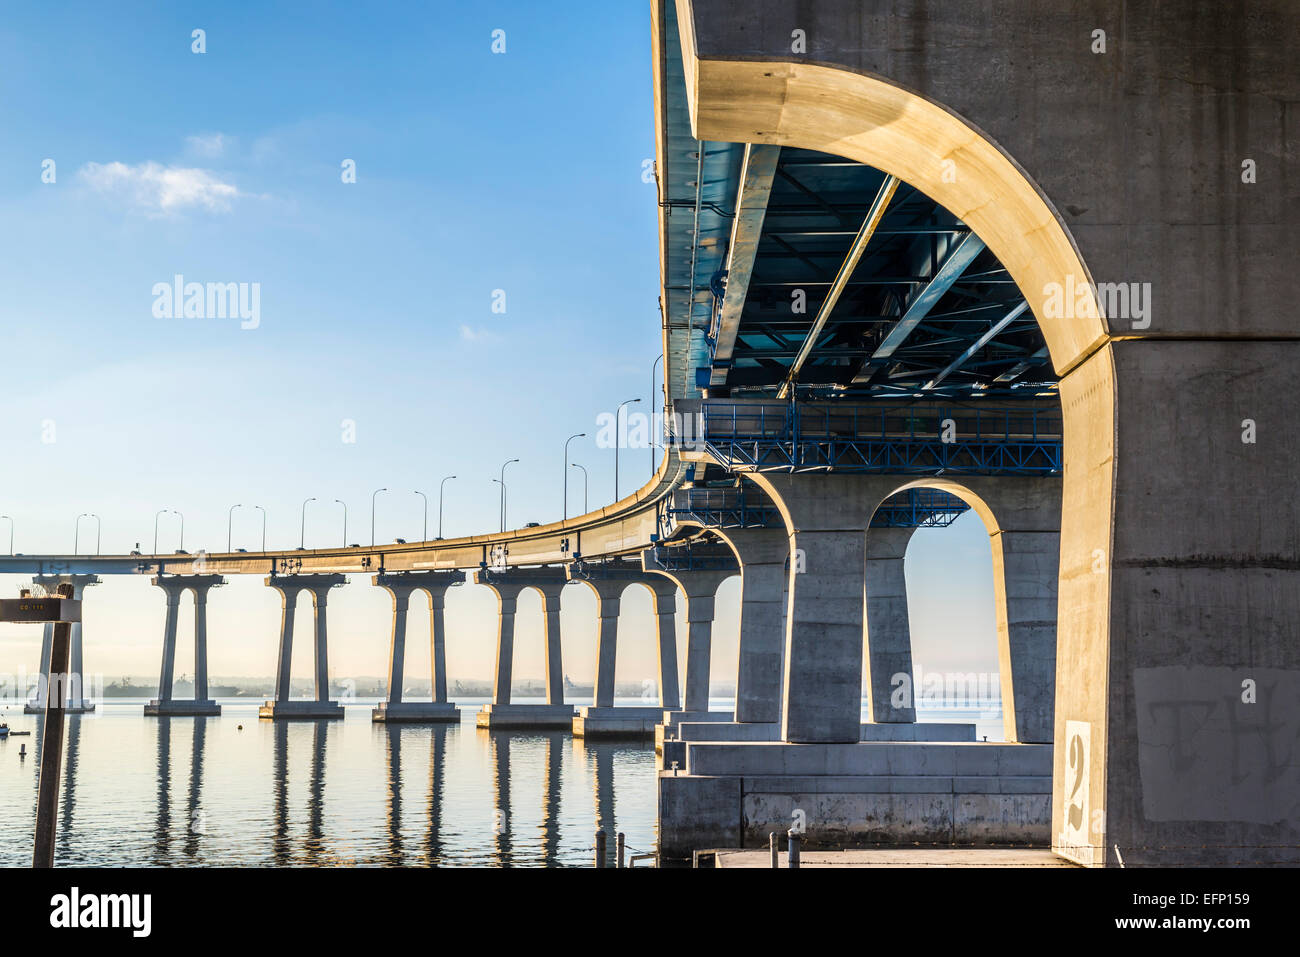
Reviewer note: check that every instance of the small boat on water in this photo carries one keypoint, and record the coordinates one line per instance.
(4, 730)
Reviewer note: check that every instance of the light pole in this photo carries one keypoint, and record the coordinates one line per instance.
(584, 485)
(424, 536)
(566, 470)
(263, 511)
(76, 533)
(373, 495)
(11, 533)
(155, 528)
(503, 500)
(98, 528)
(302, 541)
(503, 493)
(345, 521)
(230, 517)
(181, 546)
(618, 440)
(441, 486)
(654, 385)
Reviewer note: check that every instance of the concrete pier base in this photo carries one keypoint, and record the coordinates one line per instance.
(296, 710)
(416, 712)
(526, 716)
(38, 707)
(857, 795)
(180, 708)
(593, 721)
(671, 741)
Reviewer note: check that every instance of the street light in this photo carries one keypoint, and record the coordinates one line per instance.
(654, 385)
(373, 495)
(345, 521)
(11, 533)
(263, 511)
(230, 516)
(302, 542)
(98, 526)
(155, 527)
(566, 470)
(618, 442)
(503, 500)
(181, 546)
(584, 485)
(424, 536)
(503, 493)
(441, 486)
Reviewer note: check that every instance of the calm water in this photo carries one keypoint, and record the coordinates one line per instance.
(201, 791)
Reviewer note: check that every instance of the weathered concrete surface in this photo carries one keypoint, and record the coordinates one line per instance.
(921, 731)
(1176, 551)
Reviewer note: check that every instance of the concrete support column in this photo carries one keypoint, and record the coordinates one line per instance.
(607, 608)
(165, 705)
(1025, 574)
(201, 643)
(1023, 516)
(826, 517)
(168, 670)
(38, 699)
(74, 683)
(506, 604)
(670, 695)
(290, 587)
(397, 644)
(319, 599)
(438, 644)
(400, 586)
(554, 658)
(762, 553)
(888, 634)
(288, 604)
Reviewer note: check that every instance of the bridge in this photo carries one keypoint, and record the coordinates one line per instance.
(878, 311)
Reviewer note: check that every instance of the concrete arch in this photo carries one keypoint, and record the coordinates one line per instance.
(926, 145)
(1022, 518)
(872, 120)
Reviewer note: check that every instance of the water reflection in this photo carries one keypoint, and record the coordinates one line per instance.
(203, 792)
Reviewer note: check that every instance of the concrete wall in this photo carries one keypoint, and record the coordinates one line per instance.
(1180, 547)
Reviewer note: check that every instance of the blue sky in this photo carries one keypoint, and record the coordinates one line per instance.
(475, 172)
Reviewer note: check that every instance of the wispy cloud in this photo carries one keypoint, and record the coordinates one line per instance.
(161, 189)
(469, 334)
(208, 144)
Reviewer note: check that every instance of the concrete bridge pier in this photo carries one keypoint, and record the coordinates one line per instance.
(283, 706)
(602, 718)
(508, 585)
(401, 586)
(822, 760)
(700, 586)
(173, 587)
(75, 701)
(889, 634)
